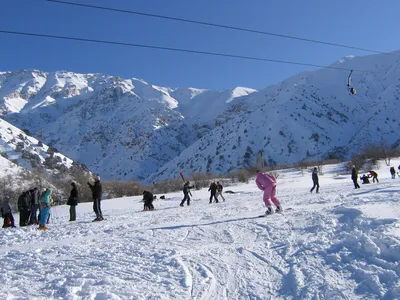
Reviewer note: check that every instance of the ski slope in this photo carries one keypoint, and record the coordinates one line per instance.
(339, 244)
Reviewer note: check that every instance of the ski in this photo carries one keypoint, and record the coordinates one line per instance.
(276, 213)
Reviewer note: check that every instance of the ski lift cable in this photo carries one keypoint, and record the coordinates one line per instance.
(49, 36)
(222, 26)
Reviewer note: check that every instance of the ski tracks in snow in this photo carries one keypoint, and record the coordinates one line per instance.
(326, 248)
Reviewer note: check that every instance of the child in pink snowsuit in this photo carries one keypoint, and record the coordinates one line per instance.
(267, 183)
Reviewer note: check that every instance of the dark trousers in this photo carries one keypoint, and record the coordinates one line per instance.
(316, 184)
(24, 217)
(215, 197)
(72, 213)
(8, 220)
(186, 197)
(97, 208)
(356, 186)
(33, 217)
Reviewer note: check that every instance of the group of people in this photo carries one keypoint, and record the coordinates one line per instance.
(29, 202)
(354, 176)
(264, 181)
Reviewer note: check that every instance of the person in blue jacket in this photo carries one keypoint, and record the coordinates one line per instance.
(45, 203)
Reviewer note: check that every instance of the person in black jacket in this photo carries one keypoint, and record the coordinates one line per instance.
(24, 208)
(73, 202)
(148, 200)
(96, 196)
(35, 197)
(354, 177)
(315, 180)
(186, 192)
(213, 189)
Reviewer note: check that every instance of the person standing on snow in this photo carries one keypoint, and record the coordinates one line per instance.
(315, 180)
(186, 192)
(213, 190)
(267, 183)
(73, 202)
(6, 213)
(393, 172)
(45, 204)
(24, 208)
(148, 200)
(219, 190)
(354, 177)
(374, 176)
(96, 196)
(35, 197)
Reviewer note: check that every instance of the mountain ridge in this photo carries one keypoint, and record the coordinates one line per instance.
(131, 129)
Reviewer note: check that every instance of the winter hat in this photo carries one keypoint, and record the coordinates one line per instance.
(98, 178)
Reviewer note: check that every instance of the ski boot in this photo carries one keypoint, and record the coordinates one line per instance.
(269, 211)
(278, 209)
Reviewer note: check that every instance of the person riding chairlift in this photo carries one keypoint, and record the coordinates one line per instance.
(352, 90)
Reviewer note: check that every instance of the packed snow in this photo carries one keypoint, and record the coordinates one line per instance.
(342, 243)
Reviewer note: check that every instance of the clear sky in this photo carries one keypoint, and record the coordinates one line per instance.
(361, 23)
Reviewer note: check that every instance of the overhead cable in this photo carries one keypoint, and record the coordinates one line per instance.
(49, 36)
(222, 26)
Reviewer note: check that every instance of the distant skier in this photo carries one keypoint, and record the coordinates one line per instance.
(148, 200)
(219, 190)
(45, 203)
(186, 192)
(213, 192)
(267, 183)
(315, 180)
(6, 213)
(73, 202)
(393, 172)
(354, 177)
(374, 176)
(97, 192)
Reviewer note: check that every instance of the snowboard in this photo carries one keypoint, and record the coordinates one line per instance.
(277, 213)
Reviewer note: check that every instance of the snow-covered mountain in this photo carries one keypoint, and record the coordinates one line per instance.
(130, 129)
(26, 162)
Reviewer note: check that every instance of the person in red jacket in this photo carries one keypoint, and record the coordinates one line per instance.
(374, 176)
(267, 183)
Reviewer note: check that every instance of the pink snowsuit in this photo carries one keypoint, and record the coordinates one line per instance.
(267, 183)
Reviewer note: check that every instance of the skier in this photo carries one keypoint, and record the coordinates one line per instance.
(73, 202)
(393, 172)
(45, 204)
(354, 177)
(186, 192)
(96, 196)
(374, 176)
(219, 190)
(213, 190)
(315, 180)
(24, 208)
(267, 183)
(148, 200)
(6, 213)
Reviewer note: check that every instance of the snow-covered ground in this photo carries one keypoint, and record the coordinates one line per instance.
(339, 244)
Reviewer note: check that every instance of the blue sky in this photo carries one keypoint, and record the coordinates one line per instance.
(360, 23)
